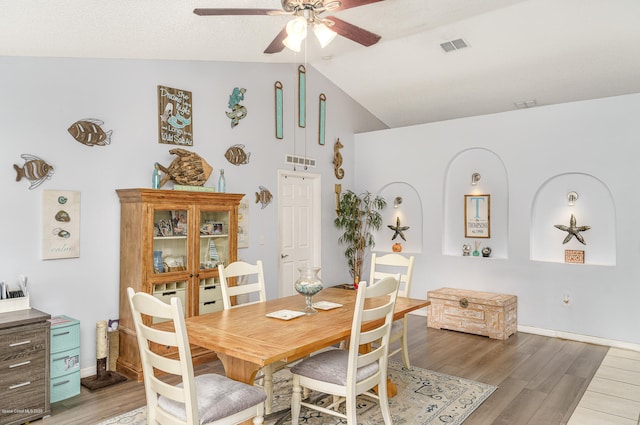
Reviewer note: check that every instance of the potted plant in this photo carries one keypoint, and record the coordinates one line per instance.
(358, 216)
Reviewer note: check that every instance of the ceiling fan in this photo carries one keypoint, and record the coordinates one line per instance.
(307, 13)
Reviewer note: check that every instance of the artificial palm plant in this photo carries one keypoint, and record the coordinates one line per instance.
(358, 216)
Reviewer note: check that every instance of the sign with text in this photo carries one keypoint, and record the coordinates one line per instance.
(573, 256)
(477, 222)
(175, 112)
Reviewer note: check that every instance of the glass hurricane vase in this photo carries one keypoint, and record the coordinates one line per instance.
(307, 285)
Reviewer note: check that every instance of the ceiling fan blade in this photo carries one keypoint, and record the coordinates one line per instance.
(353, 32)
(348, 4)
(276, 45)
(224, 11)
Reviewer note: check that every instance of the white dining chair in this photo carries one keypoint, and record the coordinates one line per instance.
(253, 287)
(204, 399)
(389, 265)
(344, 374)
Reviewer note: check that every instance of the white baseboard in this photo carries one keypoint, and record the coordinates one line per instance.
(580, 338)
(564, 335)
(88, 371)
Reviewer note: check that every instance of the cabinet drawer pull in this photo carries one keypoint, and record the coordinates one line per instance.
(464, 303)
(61, 383)
(60, 358)
(210, 302)
(62, 333)
(206, 288)
(13, 387)
(19, 364)
(169, 293)
(15, 344)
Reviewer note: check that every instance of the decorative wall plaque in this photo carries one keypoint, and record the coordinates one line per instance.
(302, 96)
(175, 112)
(60, 224)
(322, 118)
(573, 256)
(278, 105)
(477, 223)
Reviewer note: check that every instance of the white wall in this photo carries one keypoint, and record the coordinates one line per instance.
(599, 138)
(42, 97)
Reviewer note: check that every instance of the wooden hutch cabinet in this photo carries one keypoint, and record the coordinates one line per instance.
(170, 245)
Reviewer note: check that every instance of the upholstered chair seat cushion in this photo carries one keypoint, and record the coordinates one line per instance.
(331, 366)
(218, 397)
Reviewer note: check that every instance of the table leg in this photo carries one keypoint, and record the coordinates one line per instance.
(239, 370)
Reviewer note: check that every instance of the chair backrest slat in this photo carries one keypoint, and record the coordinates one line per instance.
(391, 264)
(254, 275)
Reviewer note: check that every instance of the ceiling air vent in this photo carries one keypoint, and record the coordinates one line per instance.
(450, 46)
(300, 160)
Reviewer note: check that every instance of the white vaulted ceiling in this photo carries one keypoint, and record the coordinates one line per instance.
(547, 51)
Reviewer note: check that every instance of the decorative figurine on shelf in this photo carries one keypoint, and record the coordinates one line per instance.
(398, 230)
(573, 230)
(466, 250)
(486, 252)
(476, 245)
(188, 169)
(397, 247)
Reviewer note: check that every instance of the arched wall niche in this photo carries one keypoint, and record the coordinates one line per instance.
(457, 184)
(594, 207)
(410, 214)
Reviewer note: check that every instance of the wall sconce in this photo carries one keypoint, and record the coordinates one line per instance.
(397, 202)
(572, 197)
(475, 178)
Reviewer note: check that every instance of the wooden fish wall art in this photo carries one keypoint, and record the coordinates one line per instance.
(237, 155)
(337, 160)
(238, 111)
(89, 132)
(264, 197)
(35, 169)
(188, 168)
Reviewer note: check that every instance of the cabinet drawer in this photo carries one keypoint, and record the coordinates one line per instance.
(210, 306)
(65, 337)
(65, 362)
(210, 293)
(21, 343)
(25, 400)
(65, 386)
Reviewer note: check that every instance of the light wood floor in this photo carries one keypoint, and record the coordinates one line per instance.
(540, 379)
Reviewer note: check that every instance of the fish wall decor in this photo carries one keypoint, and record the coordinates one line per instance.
(89, 132)
(188, 168)
(35, 169)
(237, 155)
(264, 197)
(238, 111)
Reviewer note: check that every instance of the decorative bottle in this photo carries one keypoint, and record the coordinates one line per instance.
(155, 179)
(222, 182)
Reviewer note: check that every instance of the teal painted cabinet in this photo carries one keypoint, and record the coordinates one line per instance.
(65, 358)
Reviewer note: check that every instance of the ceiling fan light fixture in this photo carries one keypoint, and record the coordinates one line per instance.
(296, 32)
(324, 34)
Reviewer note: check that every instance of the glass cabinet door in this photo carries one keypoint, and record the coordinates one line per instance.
(214, 239)
(170, 244)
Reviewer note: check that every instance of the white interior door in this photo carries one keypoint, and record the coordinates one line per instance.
(299, 226)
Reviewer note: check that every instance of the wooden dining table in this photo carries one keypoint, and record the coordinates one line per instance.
(246, 339)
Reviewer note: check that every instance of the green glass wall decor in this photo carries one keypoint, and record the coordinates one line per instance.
(322, 118)
(278, 103)
(302, 96)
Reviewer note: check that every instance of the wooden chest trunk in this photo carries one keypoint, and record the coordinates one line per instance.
(481, 313)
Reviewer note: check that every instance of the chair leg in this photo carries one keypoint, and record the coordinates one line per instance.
(259, 419)
(268, 388)
(351, 411)
(405, 352)
(296, 394)
(383, 399)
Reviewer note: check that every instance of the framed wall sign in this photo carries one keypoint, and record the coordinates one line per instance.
(60, 224)
(175, 111)
(477, 223)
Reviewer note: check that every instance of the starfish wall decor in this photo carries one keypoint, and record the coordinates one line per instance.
(399, 230)
(573, 230)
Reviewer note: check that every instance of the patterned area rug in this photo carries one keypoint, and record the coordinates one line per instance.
(424, 397)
